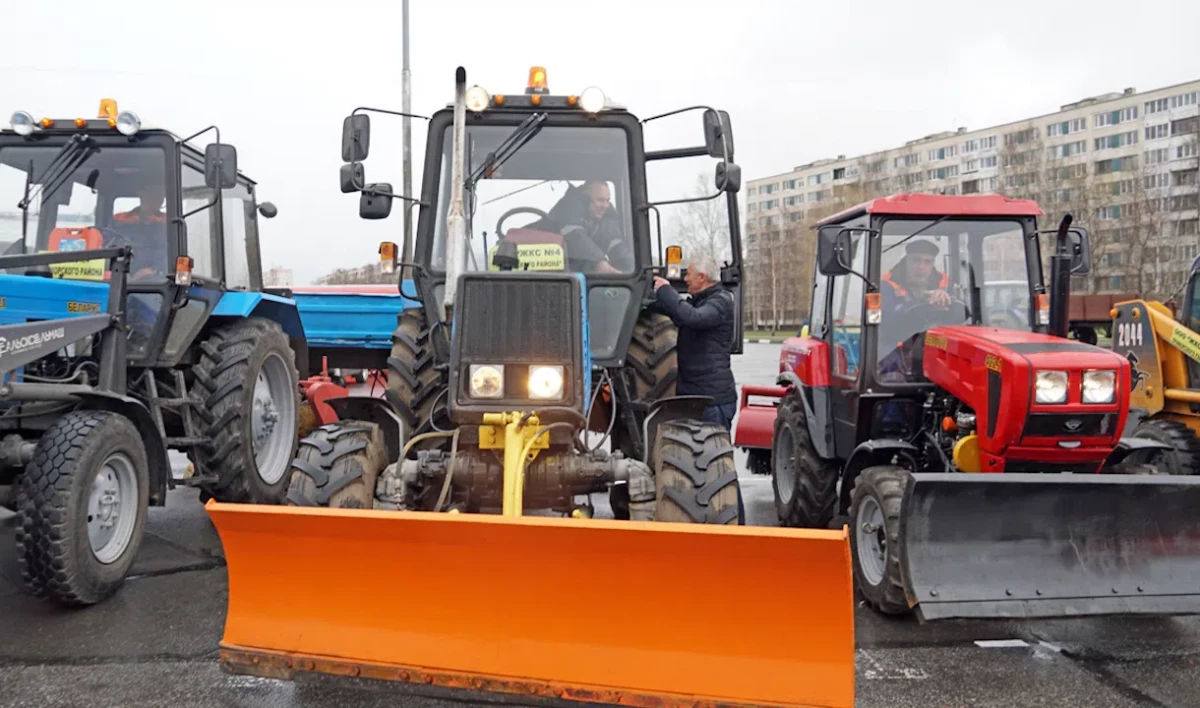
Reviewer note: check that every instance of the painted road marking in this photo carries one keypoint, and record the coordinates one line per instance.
(1001, 643)
(875, 668)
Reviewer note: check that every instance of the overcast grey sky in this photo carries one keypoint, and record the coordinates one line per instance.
(801, 80)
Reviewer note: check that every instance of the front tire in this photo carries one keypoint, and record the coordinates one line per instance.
(82, 504)
(415, 387)
(875, 537)
(695, 474)
(1184, 458)
(247, 372)
(337, 466)
(805, 485)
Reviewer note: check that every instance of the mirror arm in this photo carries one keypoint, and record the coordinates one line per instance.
(202, 132)
(652, 205)
(391, 113)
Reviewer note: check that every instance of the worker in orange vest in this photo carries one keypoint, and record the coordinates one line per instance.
(145, 228)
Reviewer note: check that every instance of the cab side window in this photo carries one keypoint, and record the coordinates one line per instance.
(201, 242)
(848, 296)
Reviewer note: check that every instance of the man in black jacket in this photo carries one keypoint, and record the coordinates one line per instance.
(705, 341)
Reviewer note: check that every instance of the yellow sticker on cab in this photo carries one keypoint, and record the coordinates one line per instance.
(535, 256)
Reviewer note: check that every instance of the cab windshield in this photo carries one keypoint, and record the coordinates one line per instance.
(563, 198)
(106, 196)
(955, 272)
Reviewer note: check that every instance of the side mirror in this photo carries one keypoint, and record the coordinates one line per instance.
(353, 177)
(1081, 251)
(376, 201)
(833, 250)
(356, 137)
(220, 166)
(729, 177)
(267, 210)
(718, 134)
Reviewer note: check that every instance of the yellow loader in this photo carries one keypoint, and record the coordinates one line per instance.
(1164, 354)
(433, 536)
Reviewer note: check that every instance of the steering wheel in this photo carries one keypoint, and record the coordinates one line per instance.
(513, 212)
(934, 315)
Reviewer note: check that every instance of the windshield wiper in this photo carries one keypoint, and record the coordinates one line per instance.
(68, 159)
(918, 232)
(514, 142)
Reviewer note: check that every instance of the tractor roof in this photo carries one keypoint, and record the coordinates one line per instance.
(935, 205)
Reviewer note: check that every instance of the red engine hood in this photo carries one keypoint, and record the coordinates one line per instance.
(992, 371)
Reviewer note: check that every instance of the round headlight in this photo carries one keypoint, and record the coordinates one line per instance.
(1099, 386)
(545, 381)
(22, 123)
(487, 381)
(1051, 387)
(477, 99)
(128, 123)
(592, 99)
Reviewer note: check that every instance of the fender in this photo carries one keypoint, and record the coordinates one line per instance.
(869, 453)
(236, 304)
(156, 450)
(668, 409)
(1131, 449)
(373, 410)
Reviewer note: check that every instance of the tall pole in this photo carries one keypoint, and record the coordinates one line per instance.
(406, 80)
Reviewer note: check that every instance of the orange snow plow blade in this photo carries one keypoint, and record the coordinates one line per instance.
(620, 612)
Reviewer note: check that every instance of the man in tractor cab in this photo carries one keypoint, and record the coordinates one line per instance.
(145, 229)
(913, 280)
(591, 229)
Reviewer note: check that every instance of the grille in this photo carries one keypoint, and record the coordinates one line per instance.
(1057, 425)
(507, 321)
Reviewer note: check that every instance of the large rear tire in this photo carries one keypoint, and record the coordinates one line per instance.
(875, 537)
(337, 466)
(805, 485)
(695, 474)
(1184, 458)
(652, 359)
(247, 375)
(415, 387)
(82, 504)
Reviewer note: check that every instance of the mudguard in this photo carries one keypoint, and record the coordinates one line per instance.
(1050, 545)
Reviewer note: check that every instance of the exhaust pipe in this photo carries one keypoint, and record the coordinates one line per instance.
(456, 222)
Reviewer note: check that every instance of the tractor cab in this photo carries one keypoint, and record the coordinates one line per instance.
(82, 184)
(892, 269)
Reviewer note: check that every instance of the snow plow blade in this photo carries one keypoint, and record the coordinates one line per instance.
(1050, 545)
(592, 610)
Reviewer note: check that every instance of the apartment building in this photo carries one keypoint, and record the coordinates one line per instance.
(1126, 165)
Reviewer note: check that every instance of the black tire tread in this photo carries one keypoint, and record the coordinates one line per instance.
(414, 384)
(221, 377)
(816, 497)
(652, 358)
(337, 466)
(887, 482)
(1178, 436)
(53, 564)
(696, 475)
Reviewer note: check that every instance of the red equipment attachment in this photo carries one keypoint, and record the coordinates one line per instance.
(756, 421)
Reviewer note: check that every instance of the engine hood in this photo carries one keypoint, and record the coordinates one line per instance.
(1041, 351)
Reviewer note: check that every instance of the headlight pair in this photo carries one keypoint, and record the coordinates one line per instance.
(1099, 386)
(487, 381)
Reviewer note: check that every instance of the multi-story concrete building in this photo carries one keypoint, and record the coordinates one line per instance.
(1126, 165)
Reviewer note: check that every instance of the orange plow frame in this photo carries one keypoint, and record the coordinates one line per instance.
(596, 610)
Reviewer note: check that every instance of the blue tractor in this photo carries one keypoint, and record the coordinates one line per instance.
(133, 321)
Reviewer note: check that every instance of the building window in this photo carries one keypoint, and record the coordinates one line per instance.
(1156, 181)
(1158, 132)
(1108, 213)
(1020, 137)
(906, 160)
(790, 184)
(970, 166)
(1155, 157)
(1055, 152)
(1185, 151)
(943, 172)
(989, 184)
(989, 161)
(1184, 126)
(1185, 99)
(1116, 141)
(942, 153)
(1183, 179)
(1157, 106)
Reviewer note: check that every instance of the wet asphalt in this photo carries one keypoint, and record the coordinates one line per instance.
(155, 643)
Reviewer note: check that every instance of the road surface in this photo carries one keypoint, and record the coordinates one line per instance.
(155, 643)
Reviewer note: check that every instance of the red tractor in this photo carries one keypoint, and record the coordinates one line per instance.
(906, 380)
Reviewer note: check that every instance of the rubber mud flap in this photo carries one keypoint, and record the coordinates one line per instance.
(620, 612)
(1050, 545)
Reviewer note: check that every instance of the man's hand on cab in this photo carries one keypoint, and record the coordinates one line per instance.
(659, 282)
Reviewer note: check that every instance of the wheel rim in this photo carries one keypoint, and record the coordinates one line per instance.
(871, 540)
(785, 464)
(273, 419)
(112, 508)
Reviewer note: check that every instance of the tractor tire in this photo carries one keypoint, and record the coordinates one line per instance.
(1185, 458)
(805, 485)
(875, 537)
(651, 359)
(337, 466)
(414, 384)
(247, 377)
(695, 474)
(82, 504)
